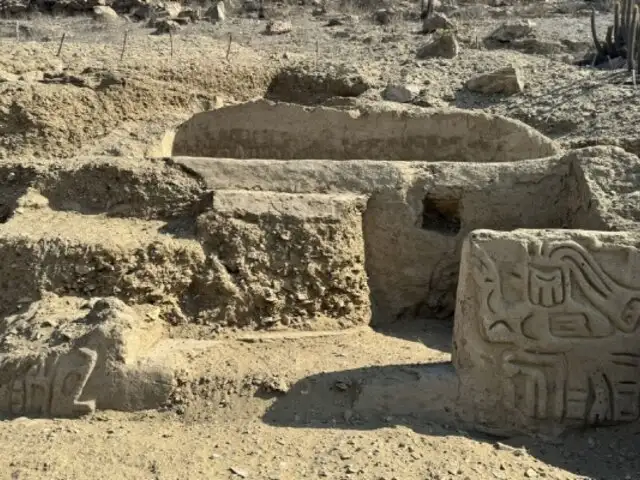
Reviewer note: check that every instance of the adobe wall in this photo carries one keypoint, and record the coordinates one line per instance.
(264, 129)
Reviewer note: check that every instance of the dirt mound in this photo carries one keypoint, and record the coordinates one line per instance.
(62, 106)
(310, 85)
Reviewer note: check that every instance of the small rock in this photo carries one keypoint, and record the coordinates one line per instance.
(239, 472)
(536, 46)
(506, 80)
(278, 27)
(32, 76)
(172, 9)
(400, 93)
(216, 13)
(531, 473)
(383, 16)
(508, 32)
(193, 15)
(166, 26)
(8, 77)
(104, 14)
(435, 22)
(141, 12)
(445, 46)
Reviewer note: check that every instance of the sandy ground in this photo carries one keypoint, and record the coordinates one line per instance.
(352, 406)
(224, 427)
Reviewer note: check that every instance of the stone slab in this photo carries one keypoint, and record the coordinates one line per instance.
(547, 331)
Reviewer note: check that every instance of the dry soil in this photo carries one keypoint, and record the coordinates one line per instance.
(320, 406)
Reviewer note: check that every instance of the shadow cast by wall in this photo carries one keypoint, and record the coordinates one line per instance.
(423, 398)
(436, 334)
(419, 396)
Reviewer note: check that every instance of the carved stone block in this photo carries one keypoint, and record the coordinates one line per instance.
(86, 359)
(547, 329)
(49, 385)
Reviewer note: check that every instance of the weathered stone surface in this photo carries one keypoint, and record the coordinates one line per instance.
(546, 329)
(435, 22)
(507, 80)
(178, 266)
(284, 259)
(105, 14)
(216, 13)
(445, 46)
(278, 27)
(306, 84)
(400, 93)
(263, 129)
(107, 257)
(65, 357)
(509, 32)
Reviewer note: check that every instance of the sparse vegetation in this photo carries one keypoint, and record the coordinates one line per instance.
(621, 40)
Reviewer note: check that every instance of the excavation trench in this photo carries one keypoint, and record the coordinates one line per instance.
(430, 178)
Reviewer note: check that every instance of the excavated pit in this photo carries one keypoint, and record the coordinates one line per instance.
(458, 171)
(118, 269)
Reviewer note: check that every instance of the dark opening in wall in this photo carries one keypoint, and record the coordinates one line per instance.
(441, 215)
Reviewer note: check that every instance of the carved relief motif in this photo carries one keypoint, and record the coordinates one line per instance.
(52, 386)
(534, 383)
(552, 310)
(568, 296)
(537, 385)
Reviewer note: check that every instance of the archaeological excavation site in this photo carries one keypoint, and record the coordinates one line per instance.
(320, 240)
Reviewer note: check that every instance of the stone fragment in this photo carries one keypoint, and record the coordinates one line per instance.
(278, 27)
(32, 76)
(507, 80)
(535, 46)
(383, 16)
(171, 9)
(105, 14)
(82, 359)
(166, 26)
(445, 46)
(546, 330)
(435, 22)
(8, 77)
(216, 13)
(400, 93)
(509, 32)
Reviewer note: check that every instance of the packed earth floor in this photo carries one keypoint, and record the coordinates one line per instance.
(293, 406)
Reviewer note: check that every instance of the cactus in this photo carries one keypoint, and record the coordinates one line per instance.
(633, 40)
(426, 11)
(622, 38)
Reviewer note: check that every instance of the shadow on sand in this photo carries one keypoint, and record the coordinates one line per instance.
(423, 397)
